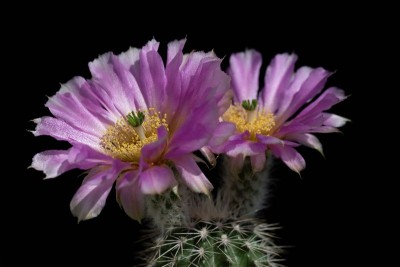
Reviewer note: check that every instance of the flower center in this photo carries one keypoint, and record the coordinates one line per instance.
(124, 140)
(248, 117)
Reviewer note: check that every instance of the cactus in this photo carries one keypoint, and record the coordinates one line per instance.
(192, 229)
(244, 243)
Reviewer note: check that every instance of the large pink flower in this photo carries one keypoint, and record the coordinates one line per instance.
(135, 122)
(283, 115)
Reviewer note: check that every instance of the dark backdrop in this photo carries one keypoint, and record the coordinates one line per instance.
(317, 212)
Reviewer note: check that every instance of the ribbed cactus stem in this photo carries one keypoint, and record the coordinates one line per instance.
(243, 243)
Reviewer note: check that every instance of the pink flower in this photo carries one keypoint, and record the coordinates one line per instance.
(135, 122)
(285, 114)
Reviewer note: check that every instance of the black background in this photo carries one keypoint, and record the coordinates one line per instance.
(318, 212)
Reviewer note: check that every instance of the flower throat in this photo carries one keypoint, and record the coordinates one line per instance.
(124, 140)
(249, 117)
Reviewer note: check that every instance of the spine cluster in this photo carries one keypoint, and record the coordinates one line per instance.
(197, 230)
(238, 244)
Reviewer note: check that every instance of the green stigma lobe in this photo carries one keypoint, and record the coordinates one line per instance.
(250, 106)
(135, 120)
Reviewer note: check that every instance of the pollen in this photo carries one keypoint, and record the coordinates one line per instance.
(255, 121)
(125, 142)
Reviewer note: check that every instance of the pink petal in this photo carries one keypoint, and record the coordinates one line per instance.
(305, 128)
(245, 148)
(110, 75)
(223, 96)
(225, 102)
(324, 129)
(289, 156)
(72, 105)
(313, 119)
(151, 45)
(192, 85)
(52, 162)
(156, 179)
(308, 90)
(209, 156)
(173, 74)
(299, 78)
(239, 137)
(245, 69)
(153, 151)
(192, 64)
(129, 195)
(91, 197)
(307, 140)
(195, 132)
(222, 132)
(60, 130)
(269, 140)
(55, 162)
(130, 57)
(151, 77)
(258, 162)
(202, 71)
(129, 87)
(324, 102)
(192, 176)
(238, 143)
(334, 120)
(277, 79)
(97, 101)
(206, 84)
(175, 50)
(203, 85)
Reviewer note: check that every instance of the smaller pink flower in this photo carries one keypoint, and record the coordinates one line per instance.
(283, 115)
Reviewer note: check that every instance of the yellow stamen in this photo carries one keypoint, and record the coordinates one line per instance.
(125, 142)
(255, 121)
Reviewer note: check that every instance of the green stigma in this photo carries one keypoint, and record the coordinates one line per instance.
(250, 106)
(135, 120)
